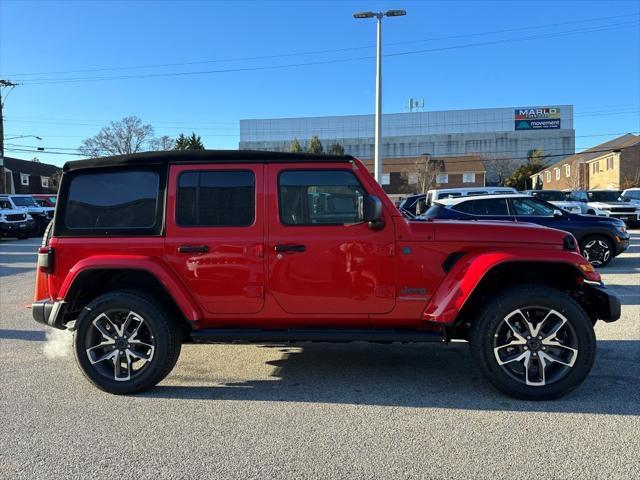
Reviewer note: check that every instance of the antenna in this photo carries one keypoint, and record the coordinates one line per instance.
(415, 105)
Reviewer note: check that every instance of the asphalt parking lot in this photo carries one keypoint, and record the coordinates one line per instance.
(318, 411)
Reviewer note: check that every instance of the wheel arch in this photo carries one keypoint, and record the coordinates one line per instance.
(479, 276)
(90, 279)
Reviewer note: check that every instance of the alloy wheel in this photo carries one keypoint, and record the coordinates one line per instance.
(535, 345)
(121, 344)
(597, 252)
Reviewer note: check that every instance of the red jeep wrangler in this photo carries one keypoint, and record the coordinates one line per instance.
(152, 250)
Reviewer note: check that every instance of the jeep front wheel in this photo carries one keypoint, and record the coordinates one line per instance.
(125, 342)
(534, 342)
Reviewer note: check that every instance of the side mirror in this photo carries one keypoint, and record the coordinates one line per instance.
(372, 211)
(421, 206)
(557, 213)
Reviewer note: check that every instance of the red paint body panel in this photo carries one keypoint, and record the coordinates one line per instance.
(348, 276)
(467, 273)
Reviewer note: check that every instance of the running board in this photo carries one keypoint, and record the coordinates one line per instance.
(228, 335)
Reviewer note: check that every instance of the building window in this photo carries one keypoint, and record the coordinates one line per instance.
(44, 181)
(567, 170)
(610, 163)
(548, 175)
(442, 178)
(596, 167)
(413, 179)
(385, 178)
(468, 177)
(24, 179)
(557, 174)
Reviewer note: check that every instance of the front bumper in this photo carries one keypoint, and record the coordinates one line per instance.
(12, 228)
(599, 302)
(622, 243)
(49, 313)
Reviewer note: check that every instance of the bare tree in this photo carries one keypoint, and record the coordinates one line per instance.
(425, 171)
(500, 168)
(126, 136)
(162, 143)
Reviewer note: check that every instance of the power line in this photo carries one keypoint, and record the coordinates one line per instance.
(314, 52)
(47, 81)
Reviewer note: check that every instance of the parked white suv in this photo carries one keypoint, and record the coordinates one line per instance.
(26, 203)
(608, 201)
(557, 198)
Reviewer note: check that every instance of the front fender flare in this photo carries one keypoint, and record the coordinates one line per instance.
(151, 265)
(456, 288)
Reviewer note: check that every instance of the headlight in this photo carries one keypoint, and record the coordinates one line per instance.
(622, 228)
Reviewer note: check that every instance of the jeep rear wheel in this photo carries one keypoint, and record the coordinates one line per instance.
(125, 342)
(534, 342)
(597, 249)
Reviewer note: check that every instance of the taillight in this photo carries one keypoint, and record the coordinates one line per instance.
(45, 259)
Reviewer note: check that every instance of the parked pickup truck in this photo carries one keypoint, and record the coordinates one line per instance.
(152, 250)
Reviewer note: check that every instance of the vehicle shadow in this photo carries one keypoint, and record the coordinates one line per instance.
(28, 335)
(628, 294)
(418, 376)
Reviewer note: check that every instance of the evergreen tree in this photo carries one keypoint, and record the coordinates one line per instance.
(192, 142)
(295, 146)
(336, 149)
(315, 146)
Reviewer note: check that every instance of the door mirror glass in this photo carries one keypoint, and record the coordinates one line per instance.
(557, 213)
(371, 208)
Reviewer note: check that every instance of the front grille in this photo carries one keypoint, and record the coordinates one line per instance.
(15, 217)
(623, 210)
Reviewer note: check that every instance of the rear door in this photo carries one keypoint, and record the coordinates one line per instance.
(215, 234)
(322, 259)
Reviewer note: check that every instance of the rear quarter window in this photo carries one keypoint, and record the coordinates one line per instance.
(113, 202)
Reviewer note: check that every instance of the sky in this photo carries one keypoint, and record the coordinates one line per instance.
(201, 66)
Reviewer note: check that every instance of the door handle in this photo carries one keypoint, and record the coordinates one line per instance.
(193, 249)
(289, 248)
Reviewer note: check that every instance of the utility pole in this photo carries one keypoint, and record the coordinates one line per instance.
(11, 85)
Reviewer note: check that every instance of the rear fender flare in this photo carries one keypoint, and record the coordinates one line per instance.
(176, 290)
(456, 288)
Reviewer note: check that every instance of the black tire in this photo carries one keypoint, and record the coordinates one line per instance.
(598, 249)
(576, 333)
(156, 330)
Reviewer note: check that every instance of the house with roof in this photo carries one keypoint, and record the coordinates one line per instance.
(612, 165)
(29, 176)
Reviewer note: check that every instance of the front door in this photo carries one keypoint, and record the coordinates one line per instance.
(322, 258)
(215, 235)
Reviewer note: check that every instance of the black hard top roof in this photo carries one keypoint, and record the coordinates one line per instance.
(203, 156)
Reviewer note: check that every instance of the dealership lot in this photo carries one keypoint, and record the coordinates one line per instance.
(324, 411)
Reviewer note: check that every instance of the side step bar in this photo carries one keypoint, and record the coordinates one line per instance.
(228, 335)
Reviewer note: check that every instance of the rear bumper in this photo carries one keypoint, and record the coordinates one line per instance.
(600, 302)
(49, 313)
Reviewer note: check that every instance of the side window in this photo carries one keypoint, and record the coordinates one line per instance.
(319, 197)
(4, 204)
(125, 200)
(531, 207)
(216, 199)
(489, 206)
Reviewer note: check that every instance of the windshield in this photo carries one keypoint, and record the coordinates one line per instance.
(550, 196)
(635, 194)
(24, 201)
(604, 196)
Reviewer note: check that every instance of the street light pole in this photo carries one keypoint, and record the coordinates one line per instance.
(377, 160)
